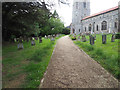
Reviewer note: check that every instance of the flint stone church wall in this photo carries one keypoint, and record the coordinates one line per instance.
(96, 23)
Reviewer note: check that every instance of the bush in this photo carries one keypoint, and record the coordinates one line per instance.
(73, 38)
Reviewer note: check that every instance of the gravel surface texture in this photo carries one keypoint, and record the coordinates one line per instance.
(70, 67)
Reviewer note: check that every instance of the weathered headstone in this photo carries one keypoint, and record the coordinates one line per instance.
(49, 36)
(92, 40)
(52, 39)
(95, 37)
(113, 38)
(83, 38)
(33, 41)
(104, 39)
(45, 37)
(54, 36)
(57, 35)
(20, 43)
(40, 39)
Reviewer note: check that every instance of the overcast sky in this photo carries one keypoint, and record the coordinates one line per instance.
(65, 12)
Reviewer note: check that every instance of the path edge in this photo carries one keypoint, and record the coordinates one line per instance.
(79, 49)
(42, 80)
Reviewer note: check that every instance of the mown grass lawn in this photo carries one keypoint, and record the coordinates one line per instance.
(105, 54)
(25, 68)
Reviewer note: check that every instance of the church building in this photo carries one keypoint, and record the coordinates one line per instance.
(102, 22)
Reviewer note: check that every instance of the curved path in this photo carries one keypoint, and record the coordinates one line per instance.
(70, 67)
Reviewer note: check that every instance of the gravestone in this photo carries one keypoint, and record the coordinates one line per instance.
(52, 39)
(104, 39)
(49, 36)
(83, 38)
(57, 35)
(40, 39)
(92, 40)
(54, 36)
(113, 38)
(33, 41)
(45, 37)
(20, 43)
(95, 37)
(78, 38)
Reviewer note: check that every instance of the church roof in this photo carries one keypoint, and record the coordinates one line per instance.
(108, 10)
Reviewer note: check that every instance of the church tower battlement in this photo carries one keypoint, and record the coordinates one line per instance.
(81, 9)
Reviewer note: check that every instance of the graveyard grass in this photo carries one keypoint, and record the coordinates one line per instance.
(25, 68)
(105, 54)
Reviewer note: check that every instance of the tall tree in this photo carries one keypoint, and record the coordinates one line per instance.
(22, 18)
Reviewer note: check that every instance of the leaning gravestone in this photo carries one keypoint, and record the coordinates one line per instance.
(113, 38)
(83, 38)
(40, 39)
(33, 41)
(20, 43)
(104, 39)
(92, 40)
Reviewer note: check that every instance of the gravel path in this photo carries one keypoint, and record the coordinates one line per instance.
(72, 68)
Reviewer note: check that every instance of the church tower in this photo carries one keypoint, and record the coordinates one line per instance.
(81, 9)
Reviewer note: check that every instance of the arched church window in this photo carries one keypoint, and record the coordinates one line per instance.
(104, 25)
(90, 27)
(97, 28)
(115, 24)
(79, 30)
(93, 26)
(85, 29)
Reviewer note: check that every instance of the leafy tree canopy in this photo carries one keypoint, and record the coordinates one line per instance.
(28, 18)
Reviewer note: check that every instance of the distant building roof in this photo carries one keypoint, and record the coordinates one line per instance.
(108, 10)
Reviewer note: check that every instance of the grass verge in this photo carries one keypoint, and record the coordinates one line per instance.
(25, 68)
(105, 54)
